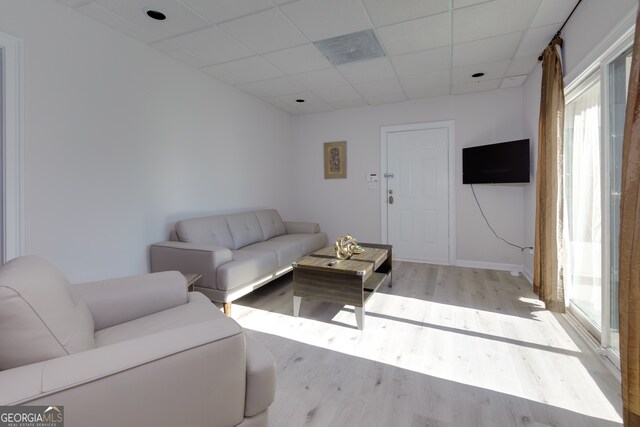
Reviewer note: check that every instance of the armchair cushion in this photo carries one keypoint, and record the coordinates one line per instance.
(199, 309)
(40, 318)
(116, 301)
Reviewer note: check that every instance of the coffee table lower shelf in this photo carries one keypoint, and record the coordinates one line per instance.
(314, 279)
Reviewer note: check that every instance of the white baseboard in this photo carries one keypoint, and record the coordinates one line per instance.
(527, 275)
(489, 265)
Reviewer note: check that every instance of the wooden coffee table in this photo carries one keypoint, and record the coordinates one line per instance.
(322, 276)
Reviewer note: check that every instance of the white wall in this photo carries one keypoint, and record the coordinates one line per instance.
(122, 141)
(350, 206)
(531, 111)
(592, 21)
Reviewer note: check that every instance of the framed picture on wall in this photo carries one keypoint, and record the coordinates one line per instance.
(335, 159)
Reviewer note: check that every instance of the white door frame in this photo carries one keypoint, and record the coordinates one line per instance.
(384, 133)
(13, 154)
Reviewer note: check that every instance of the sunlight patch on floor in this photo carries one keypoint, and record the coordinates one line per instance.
(479, 348)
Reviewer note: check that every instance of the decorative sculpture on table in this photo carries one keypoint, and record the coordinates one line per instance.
(346, 246)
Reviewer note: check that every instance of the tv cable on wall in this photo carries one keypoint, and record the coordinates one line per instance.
(522, 248)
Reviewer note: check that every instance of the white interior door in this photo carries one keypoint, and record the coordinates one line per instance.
(418, 194)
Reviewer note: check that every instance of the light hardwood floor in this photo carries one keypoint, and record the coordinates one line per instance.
(446, 346)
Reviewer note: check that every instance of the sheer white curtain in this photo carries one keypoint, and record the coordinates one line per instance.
(582, 226)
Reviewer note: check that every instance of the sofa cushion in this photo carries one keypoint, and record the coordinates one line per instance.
(271, 223)
(309, 242)
(286, 251)
(198, 309)
(246, 266)
(245, 229)
(209, 230)
(40, 319)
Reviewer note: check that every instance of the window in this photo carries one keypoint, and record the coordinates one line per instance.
(582, 205)
(592, 159)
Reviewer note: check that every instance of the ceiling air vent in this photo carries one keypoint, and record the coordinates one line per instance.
(351, 47)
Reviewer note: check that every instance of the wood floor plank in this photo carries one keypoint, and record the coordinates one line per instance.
(445, 346)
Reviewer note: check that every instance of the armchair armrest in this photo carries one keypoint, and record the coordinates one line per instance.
(135, 375)
(116, 301)
(297, 227)
(190, 258)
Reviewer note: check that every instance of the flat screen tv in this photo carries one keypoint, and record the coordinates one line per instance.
(503, 163)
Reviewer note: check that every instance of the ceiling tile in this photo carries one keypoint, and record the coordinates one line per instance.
(479, 86)
(244, 70)
(310, 108)
(117, 22)
(419, 34)
(337, 94)
(166, 47)
(514, 81)
(457, 4)
(536, 39)
(385, 12)
(272, 87)
(491, 70)
(74, 3)
(426, 81)
(298, 59)
(492, 19)
(309, 98)
(366, 71)
(349, 103)
(422, 62)
(265, 31)
(224, 10)
(211, 45)
(486, 50)
(522, 65)
(378, 87)
(322, 19)
(552, 12)
(320, 79)
(428, 93)
(386, 99)
(276, 102)
(180, 19)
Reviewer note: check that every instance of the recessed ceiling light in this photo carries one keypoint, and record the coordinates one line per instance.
(299, 100)
(157, 15)
(477, 74)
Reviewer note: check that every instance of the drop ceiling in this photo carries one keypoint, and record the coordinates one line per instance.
(266, 47)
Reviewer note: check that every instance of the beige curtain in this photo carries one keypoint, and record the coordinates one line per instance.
(547, 270)
(629, 291)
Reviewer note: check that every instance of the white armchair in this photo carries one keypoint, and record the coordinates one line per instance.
(130, 351)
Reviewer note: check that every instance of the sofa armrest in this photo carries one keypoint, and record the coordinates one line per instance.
(190, 258)
(134, 375)
(116, 301)
(297, 227)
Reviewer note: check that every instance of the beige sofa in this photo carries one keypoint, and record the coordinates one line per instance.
(131, 351)
(236, 253)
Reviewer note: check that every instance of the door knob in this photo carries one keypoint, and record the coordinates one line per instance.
(390, 200)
